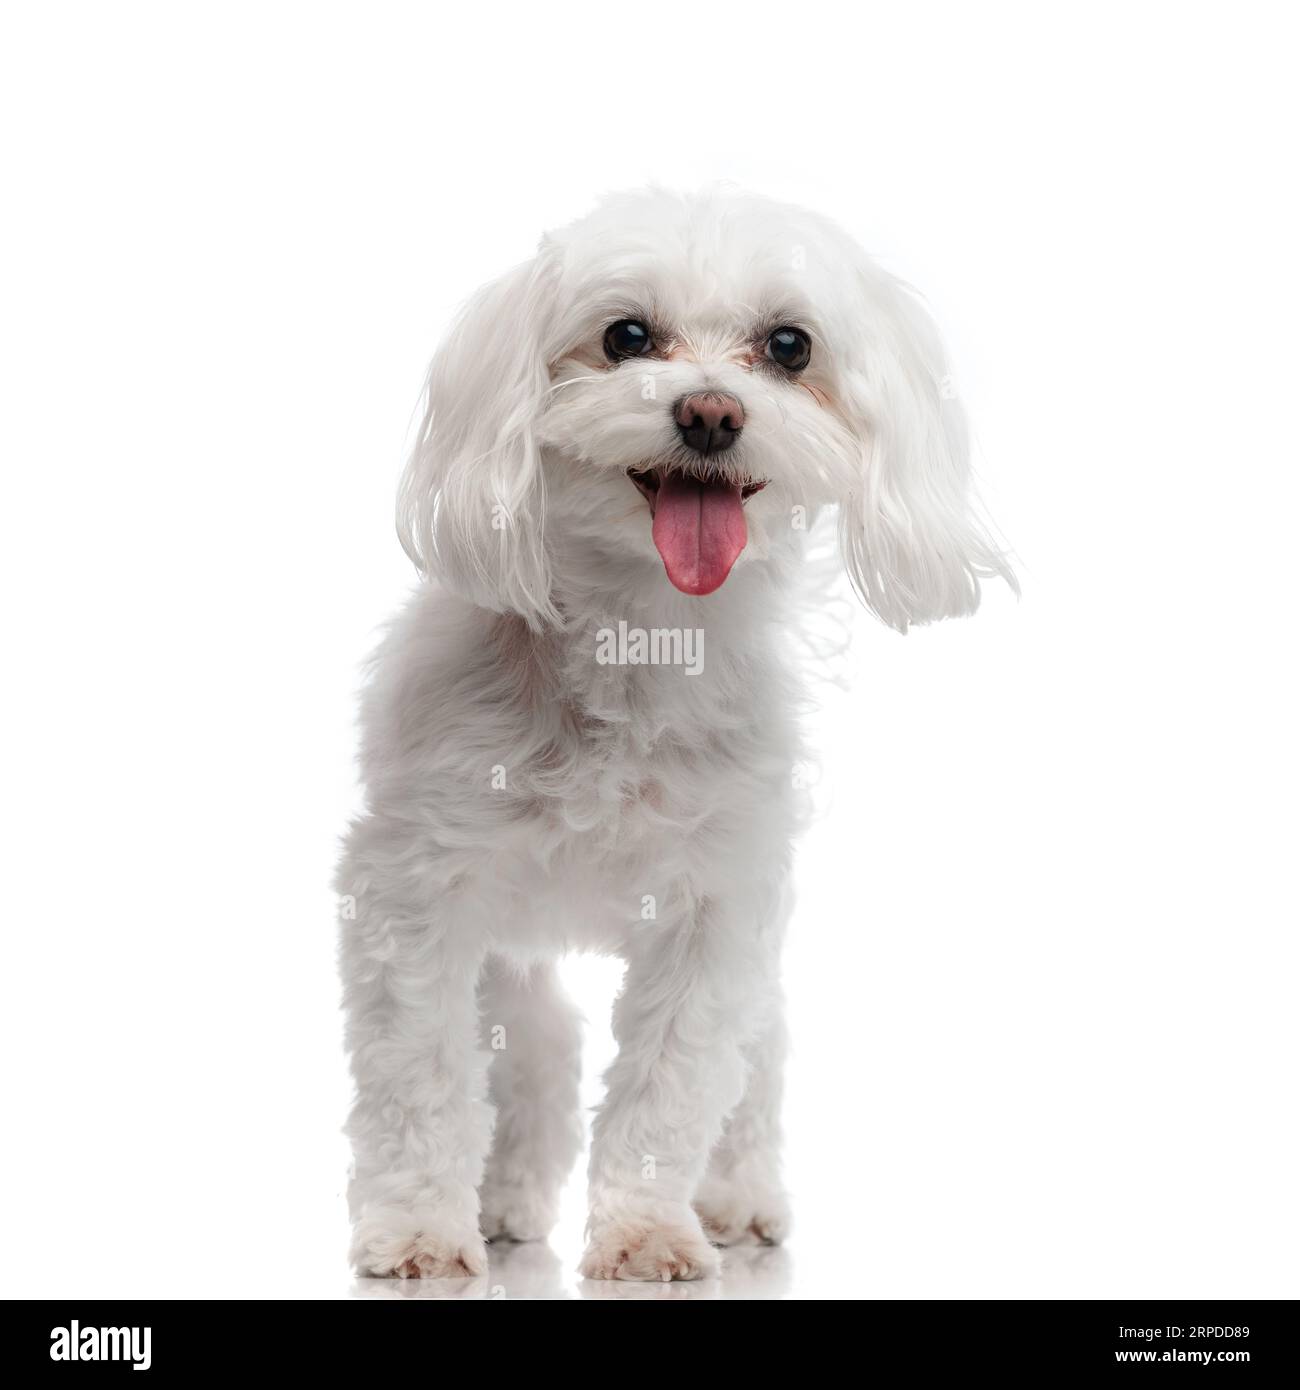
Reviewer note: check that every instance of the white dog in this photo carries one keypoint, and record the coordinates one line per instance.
(580, 732)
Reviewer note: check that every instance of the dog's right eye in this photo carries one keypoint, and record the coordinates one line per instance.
(626, 338)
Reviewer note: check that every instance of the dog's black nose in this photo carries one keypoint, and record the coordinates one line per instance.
(709, 421)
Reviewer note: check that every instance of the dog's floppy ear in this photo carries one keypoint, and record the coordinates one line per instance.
(472, 500)
(913, 543)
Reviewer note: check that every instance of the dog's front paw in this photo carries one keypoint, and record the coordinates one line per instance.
(737, 1211)
(656, 1249)
(417, 1243)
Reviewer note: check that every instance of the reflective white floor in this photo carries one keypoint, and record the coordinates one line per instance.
(535, 1271)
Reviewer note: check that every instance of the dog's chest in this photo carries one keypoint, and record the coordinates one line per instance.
(630, 757)
(642, 778)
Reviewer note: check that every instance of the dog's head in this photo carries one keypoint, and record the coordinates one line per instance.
(678, 385)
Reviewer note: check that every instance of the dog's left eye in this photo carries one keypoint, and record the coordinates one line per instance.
(790, 348)
(627, 338)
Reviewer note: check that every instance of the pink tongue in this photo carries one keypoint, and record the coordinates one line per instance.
(699, 530)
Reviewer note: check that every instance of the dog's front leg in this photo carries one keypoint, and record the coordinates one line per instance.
(681, 1022)
(421, 1123)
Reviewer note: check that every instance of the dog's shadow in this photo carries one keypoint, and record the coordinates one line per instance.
(515, 1271)
(748, 1271)
(533, 1271)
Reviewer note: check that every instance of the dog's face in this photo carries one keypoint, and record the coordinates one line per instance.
(691, 410)
(679, 386)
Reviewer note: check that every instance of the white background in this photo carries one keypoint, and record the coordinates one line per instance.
(1043, 971)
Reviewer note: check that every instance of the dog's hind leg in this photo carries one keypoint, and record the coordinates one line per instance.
(741, 1200)
(533, 1034)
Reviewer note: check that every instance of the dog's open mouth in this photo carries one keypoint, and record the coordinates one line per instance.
(699, 523)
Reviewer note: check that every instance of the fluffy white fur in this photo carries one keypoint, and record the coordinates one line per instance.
(524, 800)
